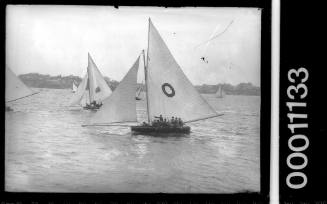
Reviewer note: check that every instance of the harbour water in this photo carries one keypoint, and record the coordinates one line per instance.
(47, 150)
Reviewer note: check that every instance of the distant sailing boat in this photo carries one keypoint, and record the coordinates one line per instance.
(168, 94)
(15, 88)
(74, 89)
(138, 92)
(220, 92)
(92, 90)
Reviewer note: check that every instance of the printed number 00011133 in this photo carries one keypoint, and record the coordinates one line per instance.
(297, 92)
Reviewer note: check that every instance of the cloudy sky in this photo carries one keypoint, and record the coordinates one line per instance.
(56, 39)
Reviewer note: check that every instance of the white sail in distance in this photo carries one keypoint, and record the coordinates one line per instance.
(15, 88)
(80, 93)
(220, 93)
(170, 93)
(139, 91)
(74, 87)
(120, 106)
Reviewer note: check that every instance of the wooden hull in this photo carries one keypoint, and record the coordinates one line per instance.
(8, 109)
(91, 108)
(152, 129)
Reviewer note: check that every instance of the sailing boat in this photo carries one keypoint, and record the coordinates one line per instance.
(169, 94)
(220, 92)
(74, 89)
(92, 90)
(15, 88)
(138, 92)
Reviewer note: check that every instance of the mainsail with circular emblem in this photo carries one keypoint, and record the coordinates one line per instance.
(15, 88)
(169, 92)
(93, 86)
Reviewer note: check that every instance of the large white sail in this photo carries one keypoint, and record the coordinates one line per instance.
(99, 89)
(15, 88)
(120, 106)
(170, 93)
(80, 93)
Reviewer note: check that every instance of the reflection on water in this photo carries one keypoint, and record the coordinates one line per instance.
(47, 150)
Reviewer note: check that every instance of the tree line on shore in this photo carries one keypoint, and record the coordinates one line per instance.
(36, 80)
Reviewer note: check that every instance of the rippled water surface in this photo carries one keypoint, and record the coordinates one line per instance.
(47, 150)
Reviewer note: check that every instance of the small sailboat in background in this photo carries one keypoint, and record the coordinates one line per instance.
(220, 92)
(139, 92)
(92, 90)
(15, 88)
(74, 89)
(169, 95)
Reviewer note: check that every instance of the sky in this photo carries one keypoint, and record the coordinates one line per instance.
(56, 40)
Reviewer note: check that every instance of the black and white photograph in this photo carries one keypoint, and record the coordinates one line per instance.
(133, 100)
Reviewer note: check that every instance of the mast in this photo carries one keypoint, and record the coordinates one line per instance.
(221, 91)
(88, 81)
(146, 75)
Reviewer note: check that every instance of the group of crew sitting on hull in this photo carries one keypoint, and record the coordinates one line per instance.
(163, 122)
(94, 104)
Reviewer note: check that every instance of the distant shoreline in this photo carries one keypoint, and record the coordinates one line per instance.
(36, 80)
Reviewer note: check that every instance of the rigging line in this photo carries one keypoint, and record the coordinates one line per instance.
(23, 97)
(203, 118)
(106, 125)
(123, 124)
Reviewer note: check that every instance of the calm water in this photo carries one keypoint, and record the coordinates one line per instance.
(47, 150)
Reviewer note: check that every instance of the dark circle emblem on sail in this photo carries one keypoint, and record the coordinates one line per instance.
(97, 90)
(168, 89)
